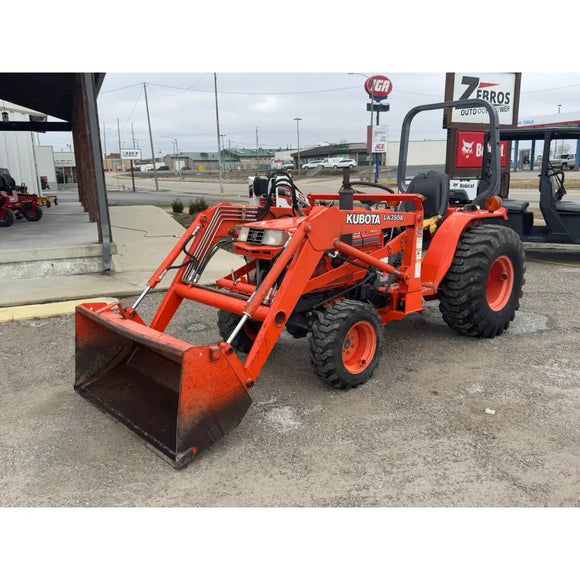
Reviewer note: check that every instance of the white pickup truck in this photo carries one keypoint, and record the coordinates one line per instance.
(564, 161)
(337, 163)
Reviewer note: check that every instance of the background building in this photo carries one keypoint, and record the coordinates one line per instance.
(17, 151)
(45, 166)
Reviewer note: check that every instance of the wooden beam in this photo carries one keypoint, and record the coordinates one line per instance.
(35, 126)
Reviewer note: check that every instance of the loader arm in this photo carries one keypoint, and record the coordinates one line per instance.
(182, 398)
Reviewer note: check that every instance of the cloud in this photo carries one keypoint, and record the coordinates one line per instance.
(269, 104)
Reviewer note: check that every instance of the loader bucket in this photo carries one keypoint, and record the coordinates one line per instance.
(179, 398)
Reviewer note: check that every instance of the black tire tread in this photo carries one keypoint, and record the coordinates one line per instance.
(227, 322)
(461, 299)
(325, 335)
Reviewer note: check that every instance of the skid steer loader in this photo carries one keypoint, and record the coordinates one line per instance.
(334, 267)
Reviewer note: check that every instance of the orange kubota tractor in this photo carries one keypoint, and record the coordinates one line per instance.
(334, 272)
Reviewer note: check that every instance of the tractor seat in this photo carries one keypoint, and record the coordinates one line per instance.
(567, 206)
(435, 187)
(515, 205)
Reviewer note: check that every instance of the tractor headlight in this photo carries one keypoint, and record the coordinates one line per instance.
(262, 237)
(243, 234)
(274, 238)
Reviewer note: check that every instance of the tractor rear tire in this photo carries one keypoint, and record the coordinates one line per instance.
(29, 215)
(481, 291)
(8, 219)
(227, 322)
(346, 343)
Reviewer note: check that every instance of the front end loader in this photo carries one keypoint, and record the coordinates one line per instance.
(334, 267)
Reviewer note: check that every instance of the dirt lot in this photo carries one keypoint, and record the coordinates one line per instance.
(417, 434)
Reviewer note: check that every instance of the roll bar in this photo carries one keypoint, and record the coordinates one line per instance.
(494, 185)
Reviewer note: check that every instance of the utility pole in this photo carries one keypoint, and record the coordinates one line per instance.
(222, 150)
(151, 138)
(371, 137)
(298, 119)
(132, 167)
(105, 141)
(217, 119)
(119, 136)
(257, 156)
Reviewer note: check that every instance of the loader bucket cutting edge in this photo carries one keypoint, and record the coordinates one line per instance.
(179, 398)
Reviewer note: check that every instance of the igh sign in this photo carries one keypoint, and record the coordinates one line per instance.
(378, 87)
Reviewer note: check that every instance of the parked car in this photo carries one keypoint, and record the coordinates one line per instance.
(281, 164)
(312, 164)
(564, 161)
(346, 163)
(338, 162)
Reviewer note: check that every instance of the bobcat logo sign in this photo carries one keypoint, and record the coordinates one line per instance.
(471, 153)
(498, 89)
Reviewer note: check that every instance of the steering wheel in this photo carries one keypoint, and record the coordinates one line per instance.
(369, 184)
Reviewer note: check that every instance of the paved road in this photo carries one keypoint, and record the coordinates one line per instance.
(417, 434)
(236, 192)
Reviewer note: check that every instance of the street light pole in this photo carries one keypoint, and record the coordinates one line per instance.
(151, 138)
(371, 127)
(556, 140)
(298, 119)
(217, 119)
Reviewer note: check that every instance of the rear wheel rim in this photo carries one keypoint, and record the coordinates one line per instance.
(358, 347)
(500, 283)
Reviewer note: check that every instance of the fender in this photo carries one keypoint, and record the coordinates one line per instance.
(438, 257)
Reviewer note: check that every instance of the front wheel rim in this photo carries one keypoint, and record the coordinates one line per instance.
(500, 283)
(358, 347)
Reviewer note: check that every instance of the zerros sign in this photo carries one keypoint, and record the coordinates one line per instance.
(378, 87)
(498, 89)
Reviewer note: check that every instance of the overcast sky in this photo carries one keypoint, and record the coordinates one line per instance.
(332, 108)
(403, 41)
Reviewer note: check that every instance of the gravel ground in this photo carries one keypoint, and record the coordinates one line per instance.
(417, 434)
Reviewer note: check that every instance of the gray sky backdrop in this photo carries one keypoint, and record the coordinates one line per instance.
(332, 107)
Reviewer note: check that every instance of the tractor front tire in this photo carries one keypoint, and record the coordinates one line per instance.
(481, 291)
(346, 343)
(243, 342)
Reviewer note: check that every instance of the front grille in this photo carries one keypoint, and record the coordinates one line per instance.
(255, 236)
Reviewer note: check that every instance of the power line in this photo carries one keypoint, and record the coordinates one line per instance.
(119, 88)
(133, 110)
(260, 92)
(551, 89)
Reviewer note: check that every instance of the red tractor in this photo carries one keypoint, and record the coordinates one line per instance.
(334, 267)
(16, 202)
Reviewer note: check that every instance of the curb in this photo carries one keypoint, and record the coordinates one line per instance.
(34, 311)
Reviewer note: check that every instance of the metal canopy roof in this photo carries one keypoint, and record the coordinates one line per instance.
(49, 93)
(539, 134)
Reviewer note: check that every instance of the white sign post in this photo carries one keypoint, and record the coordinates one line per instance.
(379, 139)
(131, 154)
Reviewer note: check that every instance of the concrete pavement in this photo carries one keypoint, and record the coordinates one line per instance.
(33, 257)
